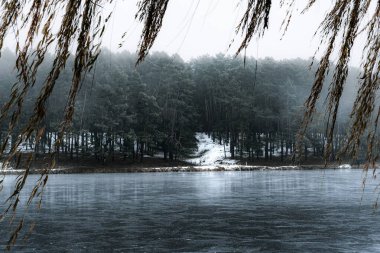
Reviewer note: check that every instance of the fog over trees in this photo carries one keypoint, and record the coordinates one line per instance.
(128, 112)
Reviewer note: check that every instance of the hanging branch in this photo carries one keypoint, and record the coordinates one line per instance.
(78, 21)
(343, 21)
(254, 21)
(151, 13)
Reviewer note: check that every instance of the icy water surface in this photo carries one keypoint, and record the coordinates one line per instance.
(263, 211)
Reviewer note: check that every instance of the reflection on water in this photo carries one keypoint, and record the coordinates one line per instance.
(286, 211)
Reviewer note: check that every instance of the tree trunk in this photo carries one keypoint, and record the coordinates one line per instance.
(266, 147)
(232, 146)
(141, 151)
(282, 149)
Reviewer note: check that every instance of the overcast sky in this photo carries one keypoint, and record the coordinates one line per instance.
(197, 27)
(192, 28)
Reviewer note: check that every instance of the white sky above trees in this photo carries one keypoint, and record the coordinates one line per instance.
(198, 27)
(193, 28)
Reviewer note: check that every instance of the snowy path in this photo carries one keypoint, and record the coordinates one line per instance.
(210, 153)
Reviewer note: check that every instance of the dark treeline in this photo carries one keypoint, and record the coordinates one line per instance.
(253, 107)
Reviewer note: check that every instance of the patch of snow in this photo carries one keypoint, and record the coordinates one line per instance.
(345, 166)
(214, 168)
(210, 152)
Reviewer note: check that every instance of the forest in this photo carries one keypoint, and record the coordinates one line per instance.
(131, 112)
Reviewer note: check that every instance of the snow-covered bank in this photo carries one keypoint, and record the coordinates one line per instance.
(210, 152)
(206, 168)
(345, 166)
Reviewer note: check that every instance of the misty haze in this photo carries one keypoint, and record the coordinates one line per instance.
(189, 126)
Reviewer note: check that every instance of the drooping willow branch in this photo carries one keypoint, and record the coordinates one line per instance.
(340, 28)
(255, 20)
(81, 27)
(152, 13)
(81, 20)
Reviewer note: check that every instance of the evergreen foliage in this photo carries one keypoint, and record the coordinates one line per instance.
(157, 107)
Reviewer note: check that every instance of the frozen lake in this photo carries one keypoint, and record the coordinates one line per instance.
(271, 211)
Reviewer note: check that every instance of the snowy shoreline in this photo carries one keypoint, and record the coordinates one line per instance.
(208, 168)
(210, 156)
